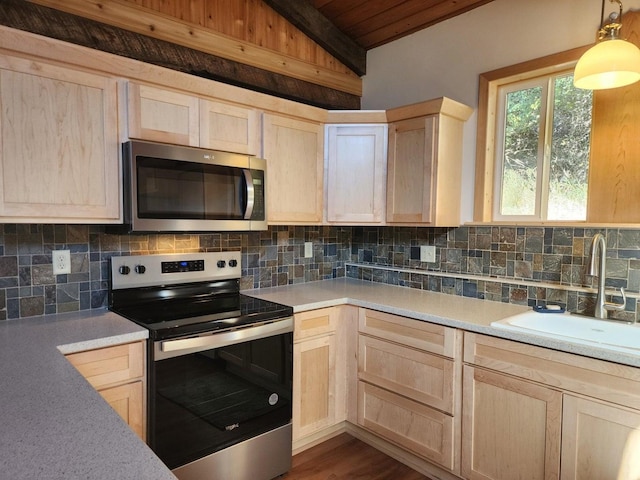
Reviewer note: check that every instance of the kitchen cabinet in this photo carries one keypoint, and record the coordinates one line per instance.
(169, 116)
(424, 170)
(356, 173)
(59, 145)
(118, 374)
(409, 375)
(532, 412)
(293, 149)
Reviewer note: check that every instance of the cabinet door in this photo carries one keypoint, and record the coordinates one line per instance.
(411, 170)
(127, 401)
(314, 385)
(599, 440)
(511, 428)
(356, 173)
(58, 144)
(230, 128)
(293, 150)
(163, 115)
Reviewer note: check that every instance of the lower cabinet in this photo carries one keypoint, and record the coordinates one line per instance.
(409, 384)
(118, 374)
(534, 413)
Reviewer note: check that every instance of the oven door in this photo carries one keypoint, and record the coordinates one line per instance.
(214, 391)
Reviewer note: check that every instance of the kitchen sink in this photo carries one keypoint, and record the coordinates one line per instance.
(610, 335)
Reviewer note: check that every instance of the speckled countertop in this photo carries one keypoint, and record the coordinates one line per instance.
(53, 424)
(469, 314)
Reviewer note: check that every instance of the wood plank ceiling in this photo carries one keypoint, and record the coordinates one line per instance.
(371, 23)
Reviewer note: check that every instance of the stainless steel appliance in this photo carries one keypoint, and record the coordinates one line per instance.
(174, 188)
(219, 365)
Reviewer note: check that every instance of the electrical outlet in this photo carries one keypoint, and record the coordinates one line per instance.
(61, 261)
(308, 249)
(427, 253)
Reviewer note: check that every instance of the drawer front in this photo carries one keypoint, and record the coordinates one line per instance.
(413, 333)
(314, 322)
(588, 376)
(411, 425)
(421, 376)
(110, 365)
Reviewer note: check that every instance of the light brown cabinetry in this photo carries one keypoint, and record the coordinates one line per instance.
(294, 152)
(58, 144)
(425, 163)
(169, 116)
(519, 400)
(118, 374)
(356, 173)
(409, 384)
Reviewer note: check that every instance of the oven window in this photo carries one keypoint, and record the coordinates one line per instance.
(188, 190)
(203, 402)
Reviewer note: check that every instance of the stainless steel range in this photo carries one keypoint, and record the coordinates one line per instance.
(219, 363)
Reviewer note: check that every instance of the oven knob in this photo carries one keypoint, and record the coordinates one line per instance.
(140, 269)
(124, 270)
(221, 263)
(233, 262)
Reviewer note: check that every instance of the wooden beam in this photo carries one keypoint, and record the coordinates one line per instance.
(132, 17)
(321, 30)
(56, 24)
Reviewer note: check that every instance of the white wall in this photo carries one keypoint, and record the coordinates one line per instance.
(446, 59)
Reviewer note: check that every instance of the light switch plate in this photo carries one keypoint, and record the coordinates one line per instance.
(308, 249)
(428, 253)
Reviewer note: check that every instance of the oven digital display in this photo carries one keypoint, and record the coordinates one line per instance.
(183, 266)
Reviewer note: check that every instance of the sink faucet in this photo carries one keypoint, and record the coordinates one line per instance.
(602, 306)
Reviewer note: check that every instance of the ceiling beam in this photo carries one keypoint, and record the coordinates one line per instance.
(317, 27)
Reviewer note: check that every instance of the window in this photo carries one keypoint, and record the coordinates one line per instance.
(532, 156)
(542, 150)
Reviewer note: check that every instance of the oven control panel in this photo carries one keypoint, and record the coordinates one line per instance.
(152, 270)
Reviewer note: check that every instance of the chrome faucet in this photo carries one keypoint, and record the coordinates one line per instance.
(602, 306)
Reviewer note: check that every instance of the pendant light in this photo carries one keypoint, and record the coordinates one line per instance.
(610, 63)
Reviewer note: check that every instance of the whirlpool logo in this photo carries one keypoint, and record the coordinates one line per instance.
(228, 428)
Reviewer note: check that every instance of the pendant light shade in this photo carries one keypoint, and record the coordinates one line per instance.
(612, 62)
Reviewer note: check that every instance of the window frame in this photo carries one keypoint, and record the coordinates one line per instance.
(489, 83)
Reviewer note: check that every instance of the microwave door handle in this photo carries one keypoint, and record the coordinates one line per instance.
(251, 195)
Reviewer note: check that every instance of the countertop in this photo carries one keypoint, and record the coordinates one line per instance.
(54, 425)
(469, 314)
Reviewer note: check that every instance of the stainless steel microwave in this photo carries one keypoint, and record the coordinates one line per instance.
(170, 188)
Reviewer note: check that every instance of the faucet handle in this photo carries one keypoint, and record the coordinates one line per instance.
(617, 306)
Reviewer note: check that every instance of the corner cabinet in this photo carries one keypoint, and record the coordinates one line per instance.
(294, 152)
(169, 116)
(59, 144)
(118, 374)
(356, 173)
(535, 413)
(425, 163)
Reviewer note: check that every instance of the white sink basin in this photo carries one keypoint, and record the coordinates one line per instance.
(610, 335)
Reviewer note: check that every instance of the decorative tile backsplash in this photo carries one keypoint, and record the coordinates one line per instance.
(524, 265)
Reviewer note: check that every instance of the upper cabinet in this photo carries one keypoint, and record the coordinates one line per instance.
(163, 115)
(294, 152)
(425, 163)
(58, 144)
(356, 173)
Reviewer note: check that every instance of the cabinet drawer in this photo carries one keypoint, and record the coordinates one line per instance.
(420, 429)
(110, 365)
(314, 322)
(588, 376)
(413, 333)
(413, 373)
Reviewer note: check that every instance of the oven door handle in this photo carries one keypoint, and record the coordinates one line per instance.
(184, 346)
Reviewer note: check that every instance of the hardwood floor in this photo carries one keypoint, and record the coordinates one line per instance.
(345, 457)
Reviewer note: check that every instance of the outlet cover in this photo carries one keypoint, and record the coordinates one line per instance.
(308, 249)
(428, 253)
(61, 261)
